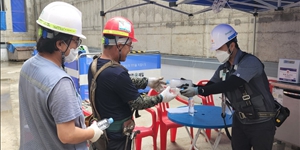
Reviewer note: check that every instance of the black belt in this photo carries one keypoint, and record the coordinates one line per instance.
(260, 114)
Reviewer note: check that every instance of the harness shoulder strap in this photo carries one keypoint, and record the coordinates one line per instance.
(94, 86)
(94, 65)
(224, 102)
(94, 82)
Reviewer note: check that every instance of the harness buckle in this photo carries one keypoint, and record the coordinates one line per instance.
(246, 97)
(242, 115)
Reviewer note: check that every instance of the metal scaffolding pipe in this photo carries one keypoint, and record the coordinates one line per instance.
(102, 25)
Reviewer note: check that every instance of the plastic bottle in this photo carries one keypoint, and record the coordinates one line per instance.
(191, 106)
(175, 84)
(105, 123)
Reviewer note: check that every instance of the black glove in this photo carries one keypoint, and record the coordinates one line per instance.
(189, 91)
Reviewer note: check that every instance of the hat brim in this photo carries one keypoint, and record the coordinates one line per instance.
(134, 40)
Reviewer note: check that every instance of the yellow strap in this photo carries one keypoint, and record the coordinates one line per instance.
(115, 32)
(57, 27)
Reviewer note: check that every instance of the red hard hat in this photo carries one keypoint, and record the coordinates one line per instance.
(119, 26)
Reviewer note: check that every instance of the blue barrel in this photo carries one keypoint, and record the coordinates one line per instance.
(84, 63)
(34, 52)
(72, 70)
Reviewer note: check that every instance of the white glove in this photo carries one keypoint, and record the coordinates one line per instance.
(156, 83)
(167, 95)
(97, 132)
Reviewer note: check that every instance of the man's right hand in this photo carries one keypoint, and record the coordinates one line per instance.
(189, 91)
(167, 95)
(97, 132)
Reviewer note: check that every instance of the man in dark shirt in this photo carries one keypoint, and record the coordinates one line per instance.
(117, 94)
(241, 76)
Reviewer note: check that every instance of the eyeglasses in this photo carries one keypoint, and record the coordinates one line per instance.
(131, 47)
(77, 41)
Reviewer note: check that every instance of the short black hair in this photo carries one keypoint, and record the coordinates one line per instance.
(48, 45)
(235, 41)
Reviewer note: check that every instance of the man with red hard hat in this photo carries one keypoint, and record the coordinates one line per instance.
(117, 95)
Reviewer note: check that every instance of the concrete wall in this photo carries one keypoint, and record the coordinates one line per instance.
(170, 32)
(8, 34)
(278, 35)
(277, 32)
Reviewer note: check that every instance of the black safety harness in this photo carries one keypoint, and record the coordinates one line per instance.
(249, 112)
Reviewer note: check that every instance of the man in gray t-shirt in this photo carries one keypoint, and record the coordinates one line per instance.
(241, 75)
(50, 107)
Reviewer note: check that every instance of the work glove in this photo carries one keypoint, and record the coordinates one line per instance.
(189, 91)
(156, 83)
(97, 132)
(167, 95)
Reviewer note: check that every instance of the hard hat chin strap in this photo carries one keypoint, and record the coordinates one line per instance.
(229, 51)
(120, 49)
(63, 54)
(63, 60)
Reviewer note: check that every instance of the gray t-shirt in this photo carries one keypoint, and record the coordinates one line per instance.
(64, 105)
(250, 69)
(247, 69)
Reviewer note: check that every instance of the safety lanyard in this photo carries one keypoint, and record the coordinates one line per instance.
(223, 114)
(224, 104)
(224, 72)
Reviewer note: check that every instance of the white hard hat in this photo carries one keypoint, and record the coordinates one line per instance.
(220, 35)
(62, 17)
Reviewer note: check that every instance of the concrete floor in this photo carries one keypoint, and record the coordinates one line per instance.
(10, 117)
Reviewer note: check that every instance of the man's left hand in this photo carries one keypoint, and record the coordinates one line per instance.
(156, 83)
